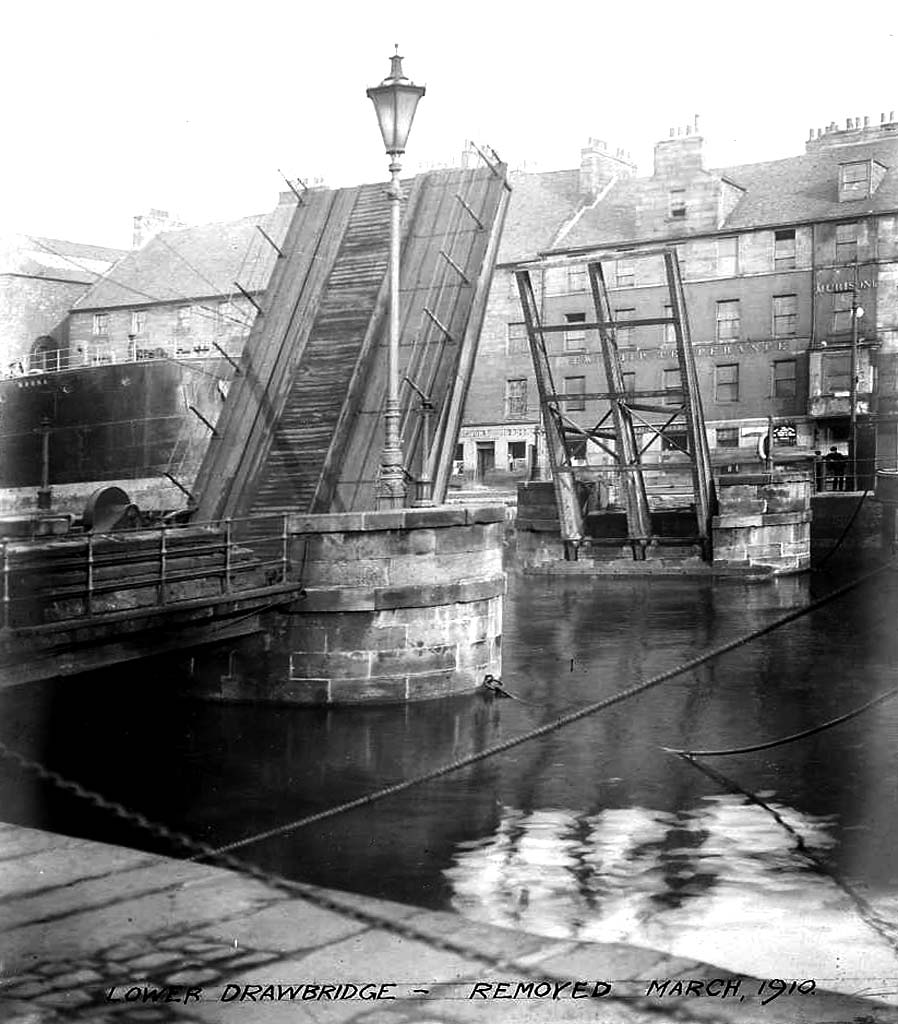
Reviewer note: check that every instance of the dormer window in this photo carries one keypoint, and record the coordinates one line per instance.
(677, 199)
(859, 179)
(854, 181)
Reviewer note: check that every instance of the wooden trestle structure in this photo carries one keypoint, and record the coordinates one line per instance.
(617, 430)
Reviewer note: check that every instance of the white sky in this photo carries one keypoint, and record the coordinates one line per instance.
(110, 108)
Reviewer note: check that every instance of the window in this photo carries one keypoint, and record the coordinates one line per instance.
(677, 201)
(556, 280)
(670, 332)
(101, 324)
(726, 382)
(841, 323)
(784, 249)
(727, 257)
(138, 321)
(626, 273)
(836, 372)
(516, 398)
(223, 316)
(629, 383)
(184, 314)
(516, 339)
(846, 242)
(575, 341)
(517, 455)
(854, 181)
(458, 461)
(673, 387)
(674, 440)
(577, 277)
(784, 378)
(785, 316)
(683, 259)
(728, 320)
(727, 437)
(575, 386)
(561, 280)
(622, 333)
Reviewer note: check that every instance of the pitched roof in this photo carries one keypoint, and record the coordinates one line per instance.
(541, 203)
(798, 189)
(55, 259)
(806, 188)
(194, 262)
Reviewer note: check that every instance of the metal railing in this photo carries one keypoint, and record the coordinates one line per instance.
(108, 354)
(86, 575)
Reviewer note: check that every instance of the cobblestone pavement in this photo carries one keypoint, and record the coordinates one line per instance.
(97, 933)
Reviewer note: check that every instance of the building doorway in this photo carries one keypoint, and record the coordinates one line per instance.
(486, 459)
(45, 354)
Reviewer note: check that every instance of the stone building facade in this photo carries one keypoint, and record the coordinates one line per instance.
(178, 295)
(40, 280)
(499, 431)
(773, 257)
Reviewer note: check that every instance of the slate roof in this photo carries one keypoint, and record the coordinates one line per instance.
(798, 189)
(195, 262)
(55, 259)
(541, 203)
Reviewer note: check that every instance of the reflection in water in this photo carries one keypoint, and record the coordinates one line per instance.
(590, 831)
(720, 883)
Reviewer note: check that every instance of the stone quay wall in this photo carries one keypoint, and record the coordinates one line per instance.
(399, 606)
(764, 522)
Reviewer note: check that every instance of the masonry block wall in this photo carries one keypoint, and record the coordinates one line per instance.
(399, 606)
(764, 522)
(31, 308)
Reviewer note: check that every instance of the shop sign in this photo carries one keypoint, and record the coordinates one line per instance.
(785, 435)
(716, 351)
(845, 286)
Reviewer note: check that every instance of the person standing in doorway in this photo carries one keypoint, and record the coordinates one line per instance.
(836, 464)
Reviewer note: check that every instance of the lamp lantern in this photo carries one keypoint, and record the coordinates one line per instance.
(395, 101)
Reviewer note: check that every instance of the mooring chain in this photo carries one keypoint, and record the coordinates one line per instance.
(319, 898)
(882, 926)
(222, 854)
(204, 850)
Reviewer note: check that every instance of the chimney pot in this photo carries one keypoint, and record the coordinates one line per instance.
(848, 123)
(891, 115)
(810, 134)
(882, 118)
(695, 123)
(866, 121)
(688, 129)
(679, 131)
(671, 133)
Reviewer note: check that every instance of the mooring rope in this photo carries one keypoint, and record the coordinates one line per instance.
(786, 739)
(555, 724)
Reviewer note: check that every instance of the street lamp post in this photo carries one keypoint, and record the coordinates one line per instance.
(395, 101)
(856, 313)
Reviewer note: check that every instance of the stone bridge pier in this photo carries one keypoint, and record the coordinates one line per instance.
(399, 605)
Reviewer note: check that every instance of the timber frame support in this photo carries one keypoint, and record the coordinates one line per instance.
(628, 421)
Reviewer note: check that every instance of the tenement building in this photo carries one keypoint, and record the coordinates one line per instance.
(791, 287)
(40, 279)
(185, 293)
(499, 428)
